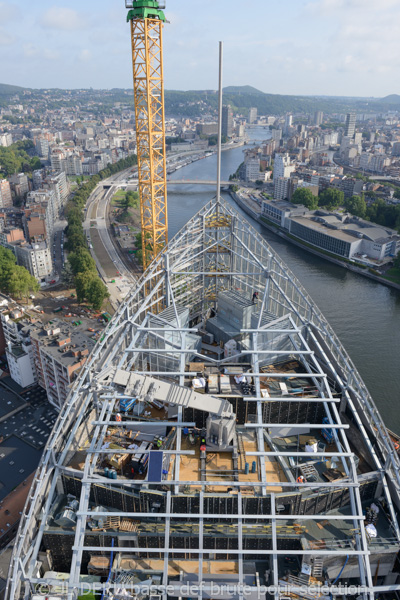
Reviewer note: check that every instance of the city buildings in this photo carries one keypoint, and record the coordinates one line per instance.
(36, 258)
(227, 121)
(288, 123)
(19, 184)
(341, 234)
(281, 188)
(60, 351)
(283, 166)
(276, 135)
(350, 125)
(5, 194)
(42, 147)
(252, 115)
(318, 118)
(6, 139)
(207, 128)
(19, 349)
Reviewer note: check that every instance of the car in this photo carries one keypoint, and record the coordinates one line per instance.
(53, 281)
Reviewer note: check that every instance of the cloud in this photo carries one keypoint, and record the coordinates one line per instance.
(6, 39)
(343, 7)
(7, 12)
(65, 19)
(85, 55)
(32, 51)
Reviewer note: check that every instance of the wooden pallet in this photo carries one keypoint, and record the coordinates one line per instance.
(128, 525)
(109, 523)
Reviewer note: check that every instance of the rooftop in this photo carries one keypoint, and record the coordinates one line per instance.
(220, 427)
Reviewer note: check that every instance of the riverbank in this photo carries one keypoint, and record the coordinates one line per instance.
(256, 215)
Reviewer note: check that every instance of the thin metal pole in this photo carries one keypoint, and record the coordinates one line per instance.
(219, 124)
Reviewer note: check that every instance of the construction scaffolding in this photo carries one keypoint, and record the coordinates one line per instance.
(254, 467)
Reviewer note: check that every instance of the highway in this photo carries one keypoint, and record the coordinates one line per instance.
(102, 248)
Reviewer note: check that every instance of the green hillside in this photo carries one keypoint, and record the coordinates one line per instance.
(10, 90)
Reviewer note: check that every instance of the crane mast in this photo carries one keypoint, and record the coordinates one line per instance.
(147, 19)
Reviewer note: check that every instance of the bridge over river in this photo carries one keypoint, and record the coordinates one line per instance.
(199, 182)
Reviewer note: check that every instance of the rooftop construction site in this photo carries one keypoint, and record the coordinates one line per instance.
(218, 441)
(214, 436)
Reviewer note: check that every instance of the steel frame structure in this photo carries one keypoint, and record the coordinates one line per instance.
(191, 273)
(148, 84)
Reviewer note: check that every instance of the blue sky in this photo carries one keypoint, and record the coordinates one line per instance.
(329, 47)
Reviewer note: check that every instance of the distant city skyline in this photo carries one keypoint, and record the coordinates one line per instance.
(300, 47)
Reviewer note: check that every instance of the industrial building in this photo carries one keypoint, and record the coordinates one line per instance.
(338, 233)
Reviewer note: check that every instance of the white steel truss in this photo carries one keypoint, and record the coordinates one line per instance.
(216, 252)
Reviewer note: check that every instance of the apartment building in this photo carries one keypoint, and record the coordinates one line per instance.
(36, 258)
(283, 166)
(5, 194)
(19, 350)
(60, 351)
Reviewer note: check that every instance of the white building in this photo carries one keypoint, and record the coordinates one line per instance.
(5, 194)
(252, 115)
(59, 184)
(73, 165)
(42, 147)
(57, 161)
(252, 169)
(281, 188)
(276, 135)
(5, 139)
(19, 349)
(282, 166)
(288, 122)
(36, 258)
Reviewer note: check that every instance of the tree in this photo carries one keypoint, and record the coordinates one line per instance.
(131, 200)
(356, 206)
(331, 198)
(397, 261)
(81, 282)
(22, 283)
(76, 237)
(305, 196)
(67, 274)
(7, 266)
(96, 292)
(81, 261)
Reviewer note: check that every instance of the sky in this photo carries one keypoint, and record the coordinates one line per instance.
(307, 47)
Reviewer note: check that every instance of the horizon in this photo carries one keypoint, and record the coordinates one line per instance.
(333, 48)
(199, 91)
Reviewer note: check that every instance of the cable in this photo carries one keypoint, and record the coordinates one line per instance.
(111, 562)
(341, 570)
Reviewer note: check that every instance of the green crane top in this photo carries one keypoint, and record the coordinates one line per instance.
(146, 9)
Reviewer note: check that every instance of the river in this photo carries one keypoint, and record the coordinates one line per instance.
(365, 315)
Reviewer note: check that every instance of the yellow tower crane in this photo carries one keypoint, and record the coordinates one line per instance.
(147, 19)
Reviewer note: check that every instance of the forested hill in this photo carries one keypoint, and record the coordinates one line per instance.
(10, 90)
(241, 98)
(197, 103)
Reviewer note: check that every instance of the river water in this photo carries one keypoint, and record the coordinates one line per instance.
(365, 315)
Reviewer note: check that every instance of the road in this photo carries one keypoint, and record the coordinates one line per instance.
(108, 261)
(101, 245)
